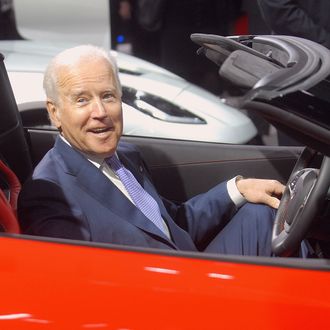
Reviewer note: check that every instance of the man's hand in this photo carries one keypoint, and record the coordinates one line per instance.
(267, 192)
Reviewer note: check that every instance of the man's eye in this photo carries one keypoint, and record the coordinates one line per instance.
(108, 97)
(81, 100)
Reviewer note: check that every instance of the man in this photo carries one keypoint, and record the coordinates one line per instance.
(91, 187)
(307, 19)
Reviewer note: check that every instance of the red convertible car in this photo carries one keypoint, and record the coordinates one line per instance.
(67, 284)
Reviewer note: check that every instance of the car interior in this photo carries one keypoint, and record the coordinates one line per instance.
(285, 79)
(10, 187)
(195, 167)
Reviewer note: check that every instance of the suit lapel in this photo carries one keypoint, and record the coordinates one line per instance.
(180, 237)
(135, 166)
(94, 183)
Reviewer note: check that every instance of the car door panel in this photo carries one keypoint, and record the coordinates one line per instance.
(182, 169)
(195, 167)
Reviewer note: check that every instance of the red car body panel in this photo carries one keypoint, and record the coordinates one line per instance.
(49, 285)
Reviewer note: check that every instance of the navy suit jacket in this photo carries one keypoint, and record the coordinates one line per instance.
(69, 197)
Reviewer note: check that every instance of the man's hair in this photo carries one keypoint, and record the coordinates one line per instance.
(70, 57)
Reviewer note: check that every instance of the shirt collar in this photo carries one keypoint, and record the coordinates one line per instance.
(97, 161)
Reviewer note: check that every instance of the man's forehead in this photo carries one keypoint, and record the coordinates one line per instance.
(79, 77)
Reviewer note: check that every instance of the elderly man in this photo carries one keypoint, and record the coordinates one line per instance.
(91, 187)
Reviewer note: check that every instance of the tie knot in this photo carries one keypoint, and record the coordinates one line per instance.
(114, 162)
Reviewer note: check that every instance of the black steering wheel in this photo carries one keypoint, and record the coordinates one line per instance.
(303, 197)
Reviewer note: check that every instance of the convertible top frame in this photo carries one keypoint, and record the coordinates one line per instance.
(283, 78)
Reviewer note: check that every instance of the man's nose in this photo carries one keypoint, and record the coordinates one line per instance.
(98, 109)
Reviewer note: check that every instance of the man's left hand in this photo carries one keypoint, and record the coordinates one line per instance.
(267, 192)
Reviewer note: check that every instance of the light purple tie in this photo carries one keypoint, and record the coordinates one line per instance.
(140, 197)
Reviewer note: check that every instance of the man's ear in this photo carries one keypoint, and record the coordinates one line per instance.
(53, 113)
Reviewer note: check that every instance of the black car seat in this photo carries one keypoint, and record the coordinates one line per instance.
(10, 188)
(14, 149)
(13, 143)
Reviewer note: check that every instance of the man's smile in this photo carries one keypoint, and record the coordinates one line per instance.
(100, 130)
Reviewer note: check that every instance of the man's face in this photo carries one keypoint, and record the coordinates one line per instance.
(88, 111)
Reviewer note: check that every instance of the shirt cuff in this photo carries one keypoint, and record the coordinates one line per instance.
(234, 193)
